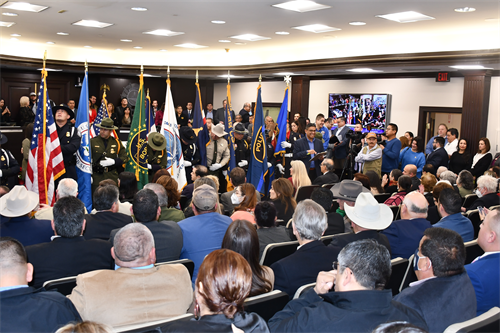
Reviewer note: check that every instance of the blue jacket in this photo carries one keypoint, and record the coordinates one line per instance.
(390, 155)
(459, 223)
(300, 153)
(484, 273)
(27, 231)
(326, 136)
(407, 156)
(404, 236)
(428, 147)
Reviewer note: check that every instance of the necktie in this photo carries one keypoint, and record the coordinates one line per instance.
(214, 158)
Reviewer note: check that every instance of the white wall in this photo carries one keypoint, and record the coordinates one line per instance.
(493, 131)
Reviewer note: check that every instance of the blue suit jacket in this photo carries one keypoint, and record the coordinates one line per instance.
(437, 158)
(27, 231)
(404, 236)
(459, 223)
(300, 153)
(484, 274)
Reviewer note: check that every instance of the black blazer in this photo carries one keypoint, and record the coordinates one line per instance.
(65, 257)
(300, 153)
(488, 200)
(437, 158)
(100, 224)
(327, 178)
(281, 213)
(302, 267)
(335, 224)
(339, 242)
(482, 165)
(167, 236)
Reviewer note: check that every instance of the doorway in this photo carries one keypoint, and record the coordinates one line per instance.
(430, 117)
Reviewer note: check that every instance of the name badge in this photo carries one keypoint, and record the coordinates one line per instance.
(112, 151)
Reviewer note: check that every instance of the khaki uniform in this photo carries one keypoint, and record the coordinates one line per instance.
(222, 153)
(114, 149)
(158, 160)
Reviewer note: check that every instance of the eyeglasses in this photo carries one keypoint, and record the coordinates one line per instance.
(335, 265)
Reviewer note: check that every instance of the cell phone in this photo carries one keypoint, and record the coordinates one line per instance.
(481, 210)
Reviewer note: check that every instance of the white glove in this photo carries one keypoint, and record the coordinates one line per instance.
(149, 166)
(106, 162)
(285, 144)
(1, 173)
(224, 173)
(289, 155)
(281, 168)
(187, 164)
(269, 165)
(215, 167)
(242, 163)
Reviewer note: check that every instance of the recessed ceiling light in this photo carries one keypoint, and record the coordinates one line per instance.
(51, 43)
(14, 39)
(470, 67)
(282, 33)
(218, 22)
(118, 50)
(239, 43)
(88, 46)
(9, 14)
(92, 24)
(163, 50)
(15, 35)
(301, 6)
(284, 73)
(138, 47)
(224, 41)
(191, 46)
(6, 24)
(62, 33)
(357, 23)
(24, 6)
(139, 9)
(406, 17)
(250, 37)
(50, 69)
(230, 76)
(163, 32)
(316, 28)
(465, 10)
(126, 40)
(363, 70)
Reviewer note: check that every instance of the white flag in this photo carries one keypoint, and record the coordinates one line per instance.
(169, 129)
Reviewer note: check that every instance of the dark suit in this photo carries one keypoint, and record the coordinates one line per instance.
(300, 153)
(65, 257)
(327, 178)
(335, 224)
(488, 200)
(340, 151)
(302, 267)
(218, 116)
(100, 224)
(27, 231)
(404, 236)
(167, 236)
(339, 242)
(437, 158)
(70, 142)
(10, 169)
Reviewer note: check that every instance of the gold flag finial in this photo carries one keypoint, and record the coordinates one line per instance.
(86, 66)
(147, 94)
(142, 69)
(196, 76)
(228, 76)
(260, 79)
(105, 87)
(44, 59)
(168, 72)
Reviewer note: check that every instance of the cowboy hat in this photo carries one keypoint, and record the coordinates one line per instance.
(18, 202)
(107, 123)
(3, 139)
(157, 141)
(218, 130)
(65, 108)
(368, 213)
(187, 134)
(348, 190)
(240, 128)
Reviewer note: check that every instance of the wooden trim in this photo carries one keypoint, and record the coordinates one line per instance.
(423, 110)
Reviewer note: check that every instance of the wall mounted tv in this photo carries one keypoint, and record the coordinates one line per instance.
(370, 110)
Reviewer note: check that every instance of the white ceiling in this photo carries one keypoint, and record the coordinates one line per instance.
(450, 31)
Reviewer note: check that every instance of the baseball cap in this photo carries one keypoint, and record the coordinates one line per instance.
(371, 135)
(204, 197)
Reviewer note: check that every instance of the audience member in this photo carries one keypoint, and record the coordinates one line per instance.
(413, 155)
(449, 207)
(375, 182)
(23, 308)
(465, 183)
(460, 159)
(443, 294)
(141, 292)
(86, 326)
(429, 181)
(370, 156)
(4, 190)
(127, 183)
(390, 184)
(486, 191)
(69, 253)
(123, 207)
(405, 143)
(15, 209)
(309, 223)
(159, 173)
(328, 175)
(404, 235)
(171, 213)
(281, 195)
(452, 144)
(482, 160)
(324, 197)
(390, 152)
(346, 193)
(439, 171)
(404, 187)
(449, 176)
(245, 199)
(428, 168)
(410, 170)
(339, 148)
(438, 157)
(198, 172)
(484, 272)
(306, 148)
(241, 237)
(442, 129)
(299, 175)
(66, 187)
(358, 303)
(166, 214)
(363, 179)
(267, 230)
(237, 177)
(433, 214)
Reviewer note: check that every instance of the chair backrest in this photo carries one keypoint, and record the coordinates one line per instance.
(472, 251)
(303, 289)
(276, 251)
(395, 212)
(494, 207)
(328, 238)
(399, 268)
(280, 222)
(266, 305)
(186, 262)
(409, 276)
(485, 323)
(474, 217)
(381, 198)
(152, 326)
(469, 199)
(63, 285)
(183, 201)
(304, 192)
(328, 186)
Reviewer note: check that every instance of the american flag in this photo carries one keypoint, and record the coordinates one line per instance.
(45, 161)
(101, 114)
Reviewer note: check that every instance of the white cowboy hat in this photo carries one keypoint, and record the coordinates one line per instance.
(18, 202)
(218, 130)
(368, 213)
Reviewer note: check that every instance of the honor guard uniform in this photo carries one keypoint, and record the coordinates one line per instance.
(157, 154)
(68, 138)
(9, 168)
(108, 154)
(190, 151)
(241, 146)
(218, 155)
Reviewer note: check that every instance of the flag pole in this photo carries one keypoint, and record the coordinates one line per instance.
(196, 76)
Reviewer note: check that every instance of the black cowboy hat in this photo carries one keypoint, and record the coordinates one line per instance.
(65, 108)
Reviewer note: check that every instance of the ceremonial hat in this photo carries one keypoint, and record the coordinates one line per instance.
(240, 128)
(187, 134)
(65, 108)
(218, 130)
(157, 141)
(108, 124)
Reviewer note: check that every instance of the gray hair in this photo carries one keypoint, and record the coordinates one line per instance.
(440, 170)
(310, 220)
(133, 242)
(449, 176)
(328, 163)
(160, 192)
(412, 207)
(369, 261)
(67, 187)
(488, 182)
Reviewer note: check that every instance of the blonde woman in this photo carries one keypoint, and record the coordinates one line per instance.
(25, 115)
(299, 176)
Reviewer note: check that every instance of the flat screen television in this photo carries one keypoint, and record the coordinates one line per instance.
(370, 110)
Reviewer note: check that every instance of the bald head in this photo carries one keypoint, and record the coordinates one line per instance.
(489, 232)
(410, 170)
(415, 205)
(328, 164)
(134, 246)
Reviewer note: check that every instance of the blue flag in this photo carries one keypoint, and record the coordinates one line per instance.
(228, 124)
(281, 125)
(200, 126)
(257, 168)
(150, 119)
(83, 165)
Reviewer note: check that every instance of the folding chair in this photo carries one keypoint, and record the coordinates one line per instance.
(304, 192)
(469, 199)
(485, 323)
(186, 262)
(472, 251)
(305, 288)
(266, 305)
(409, 276)
(153, 326)
(381, 198)
(277, 251)
(63, 285)
(473, 216)
(399, 267)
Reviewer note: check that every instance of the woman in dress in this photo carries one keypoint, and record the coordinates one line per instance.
(482, 160)
(460, 160)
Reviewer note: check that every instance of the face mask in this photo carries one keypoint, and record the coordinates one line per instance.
(235, 199)
(416, 258)
(479, 194)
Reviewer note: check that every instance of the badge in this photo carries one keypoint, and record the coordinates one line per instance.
(2, 159)
(67, 134)
(113, 145)
(112, 151)
(96, 146)
(159, 160)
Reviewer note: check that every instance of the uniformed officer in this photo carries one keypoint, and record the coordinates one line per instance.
(108, 154)
(9, 168)
(157, 154)
(241, 146)
(190, 152)
(68, 138)
(218, 155)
